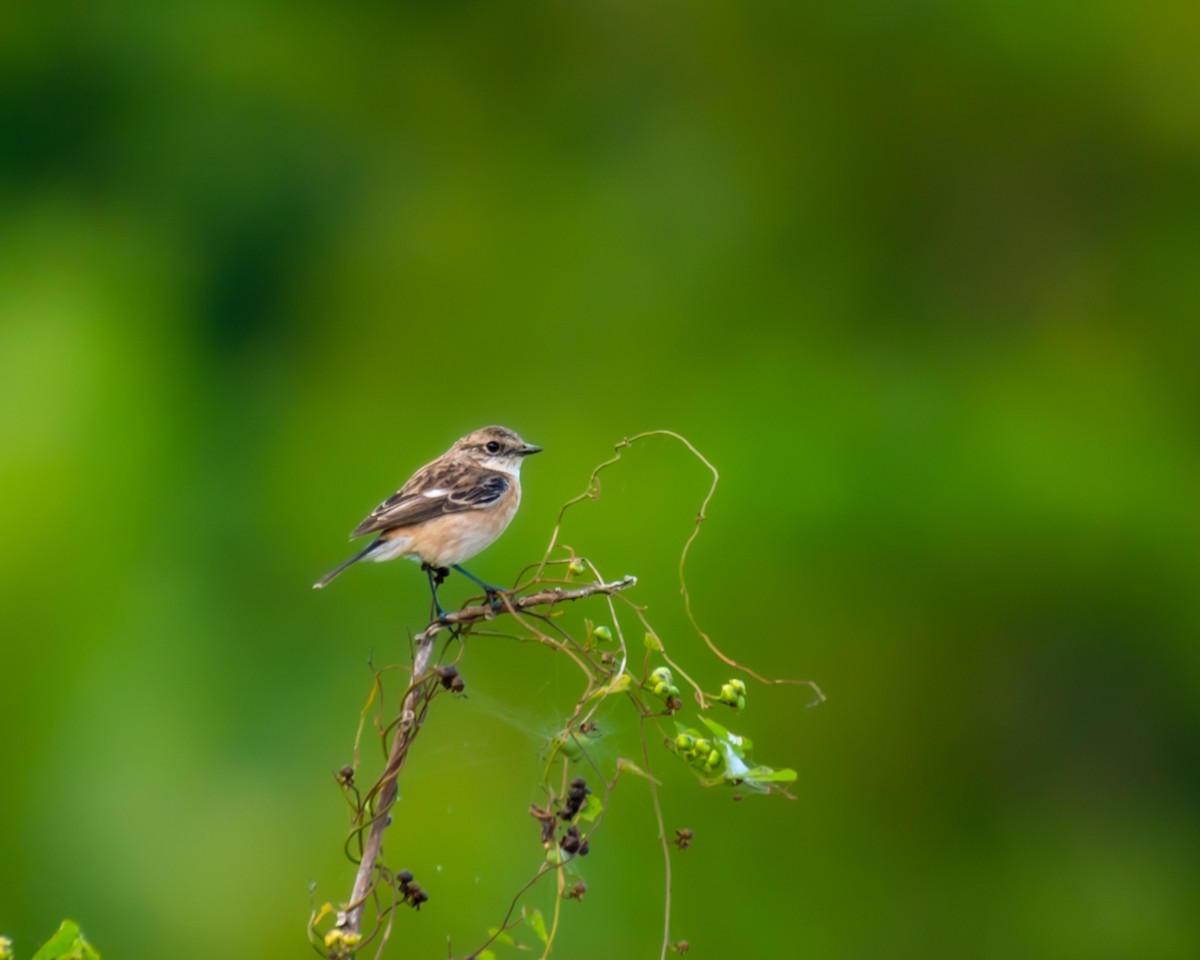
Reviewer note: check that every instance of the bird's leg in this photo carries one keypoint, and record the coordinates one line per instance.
(491, 592)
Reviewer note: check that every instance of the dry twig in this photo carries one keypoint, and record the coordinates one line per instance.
(349, 920)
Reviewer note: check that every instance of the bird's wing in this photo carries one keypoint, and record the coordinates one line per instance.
(433, 492)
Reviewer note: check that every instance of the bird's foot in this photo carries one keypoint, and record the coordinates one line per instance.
(491, 592)
(497, 598)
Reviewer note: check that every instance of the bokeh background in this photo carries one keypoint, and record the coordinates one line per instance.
(919, 278)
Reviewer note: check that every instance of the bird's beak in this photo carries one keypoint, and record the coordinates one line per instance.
(528, 449)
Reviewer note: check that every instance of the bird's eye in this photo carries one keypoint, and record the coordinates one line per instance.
(492, 447)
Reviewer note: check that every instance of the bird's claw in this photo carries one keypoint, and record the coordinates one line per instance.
(496, 599)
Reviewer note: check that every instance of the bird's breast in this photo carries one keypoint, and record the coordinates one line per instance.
(457, 537)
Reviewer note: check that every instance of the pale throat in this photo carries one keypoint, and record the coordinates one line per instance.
(507, 465)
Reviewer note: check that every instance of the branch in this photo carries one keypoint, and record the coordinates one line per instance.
(350, 919)
(548, 597)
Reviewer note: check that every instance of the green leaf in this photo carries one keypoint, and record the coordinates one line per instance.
(716, 728)
(768, 775)
(67, 944)
(623, 764)
(537, 923)
(734, 741)
(500, 936)
(593, 806)
(619, 684)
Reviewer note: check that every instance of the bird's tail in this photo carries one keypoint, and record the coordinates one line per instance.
(343, 565)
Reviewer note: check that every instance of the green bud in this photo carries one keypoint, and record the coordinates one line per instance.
(741, 703)
(575, 568)
(661, 675)
(738, 687)
(702, 745)
(685, 741)
(570, 748)
(602, 633)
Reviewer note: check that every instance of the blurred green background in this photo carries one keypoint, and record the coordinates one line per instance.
(920, 278)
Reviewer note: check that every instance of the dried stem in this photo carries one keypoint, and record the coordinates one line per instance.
(412, 714)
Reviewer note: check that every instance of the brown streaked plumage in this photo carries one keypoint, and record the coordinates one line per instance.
(450, 509)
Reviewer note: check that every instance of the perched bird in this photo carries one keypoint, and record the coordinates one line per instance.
(450, 509)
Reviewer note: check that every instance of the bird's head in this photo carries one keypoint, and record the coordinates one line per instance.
(495, 448)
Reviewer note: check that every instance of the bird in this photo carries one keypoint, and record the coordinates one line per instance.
(451, 509)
